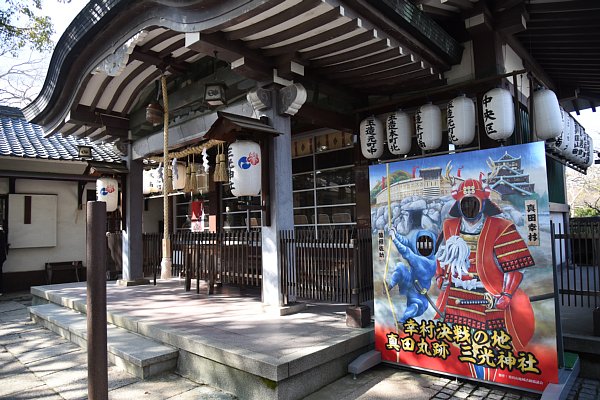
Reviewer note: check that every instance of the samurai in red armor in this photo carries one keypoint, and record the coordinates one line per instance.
(479, 267)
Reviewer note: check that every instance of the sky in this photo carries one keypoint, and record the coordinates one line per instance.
(63, 13)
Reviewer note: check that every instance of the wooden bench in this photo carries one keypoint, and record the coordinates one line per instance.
(62, 266)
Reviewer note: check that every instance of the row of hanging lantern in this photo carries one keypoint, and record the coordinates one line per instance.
(565, 136)
(242, 168)
(427, 126)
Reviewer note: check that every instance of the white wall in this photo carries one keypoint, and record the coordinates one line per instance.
(465, 71)
(152, 217)
(512, 62)
(70, 228)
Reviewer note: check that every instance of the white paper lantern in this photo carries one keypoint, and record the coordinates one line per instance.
(547, 116)
(461, 120)
(498, 114)
(107, 190)
(399, 130)
(578, 142)
(428, 127)
(245, 162)
(552, 144)
(146, 185)
(564, 143)
(178, 177)
(151, 182)
(589, 155)
(371, 137)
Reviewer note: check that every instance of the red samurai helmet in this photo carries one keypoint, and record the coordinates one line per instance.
(473, 201)
(471, 187)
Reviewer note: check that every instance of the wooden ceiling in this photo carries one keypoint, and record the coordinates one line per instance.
(562, 36)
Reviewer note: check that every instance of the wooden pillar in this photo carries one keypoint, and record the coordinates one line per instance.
(487, 58)
(132, 252)
(281, 203)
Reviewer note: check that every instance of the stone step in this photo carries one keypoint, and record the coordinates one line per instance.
(134, 353)
(223, 354)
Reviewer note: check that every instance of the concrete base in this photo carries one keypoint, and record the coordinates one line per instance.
(358, 317)
(137, 282)
(364, 362)
(228, 342)
(165, 268)
(566, 379)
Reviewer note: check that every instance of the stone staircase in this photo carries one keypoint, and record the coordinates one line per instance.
(136, 354)
(291, 360)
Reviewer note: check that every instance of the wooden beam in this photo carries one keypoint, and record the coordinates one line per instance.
(160, 38)
(579, 35)
(70, 131)
(211, 43)
(124, 83)
(107, 80)
(575, 106)
(373, 68)
(563, 17)
(299, 29)
(251, 69)
(362, 51)
(342, 44)
(501, 5)
(316, 115)
(566, 25)
(322, 37)
(349, 78)
(387, 55)
(564, 6)
(163, 63)
(83, 115)
(395, 80)
(419, 85)
(86, 132)
(437, 11)
(512, 21)
(461, 4)
(273, 20)
(290, 69)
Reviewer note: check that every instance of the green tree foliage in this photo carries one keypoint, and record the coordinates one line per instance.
(22, 25)
(586, 212)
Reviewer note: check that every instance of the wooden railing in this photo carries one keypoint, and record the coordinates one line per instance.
(334, 265)
(232, 257)
(330, 265)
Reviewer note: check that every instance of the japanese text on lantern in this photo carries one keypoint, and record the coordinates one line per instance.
(489, 116)
(532, 223)
(370, 134)
(419, 128)
(491, 349)
(381, 244)
(392, 131)
(451, 123)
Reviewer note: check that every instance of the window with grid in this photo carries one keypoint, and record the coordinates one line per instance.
(323, 180)
(235, 212)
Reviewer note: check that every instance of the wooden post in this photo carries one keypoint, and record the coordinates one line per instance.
(96, 301)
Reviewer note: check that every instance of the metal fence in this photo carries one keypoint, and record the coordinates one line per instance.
(576, 254)
(330, 265)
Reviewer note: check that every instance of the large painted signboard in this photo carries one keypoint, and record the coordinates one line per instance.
(462, 265)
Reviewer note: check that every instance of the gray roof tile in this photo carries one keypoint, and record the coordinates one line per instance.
(19, 138)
